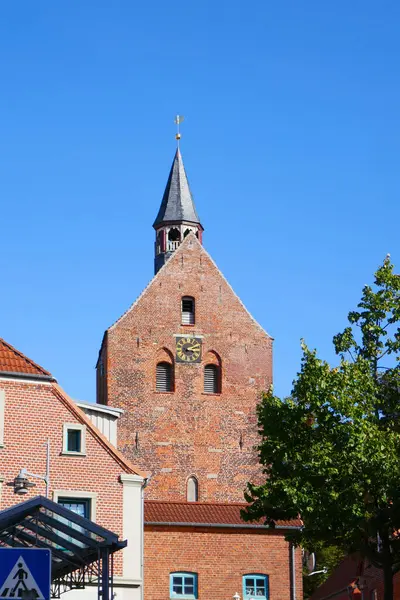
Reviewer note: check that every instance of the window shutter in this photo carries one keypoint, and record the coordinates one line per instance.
(187, 311)
(211, 383)
(164, 377)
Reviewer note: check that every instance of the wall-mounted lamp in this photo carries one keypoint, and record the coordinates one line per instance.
(21, 483)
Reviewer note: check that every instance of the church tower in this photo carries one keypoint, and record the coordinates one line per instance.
(177, 216)
(187, 363)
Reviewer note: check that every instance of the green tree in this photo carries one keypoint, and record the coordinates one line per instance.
(331, 451)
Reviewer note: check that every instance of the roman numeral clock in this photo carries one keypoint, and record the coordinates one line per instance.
(188, 350)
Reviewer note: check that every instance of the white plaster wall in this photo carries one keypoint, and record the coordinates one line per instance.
(132, 519)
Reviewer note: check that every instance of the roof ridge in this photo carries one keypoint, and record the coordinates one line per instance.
(24, 357)
(107, 445)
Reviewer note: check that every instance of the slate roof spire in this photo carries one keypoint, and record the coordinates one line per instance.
(177, 216)
(177, 204)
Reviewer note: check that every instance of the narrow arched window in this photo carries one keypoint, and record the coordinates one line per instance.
(192, 490)
(212, 379)
(187, 310)
(164, 379)
(174, 235)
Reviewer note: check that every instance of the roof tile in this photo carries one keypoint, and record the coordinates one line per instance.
(210, 513)
(13, 361)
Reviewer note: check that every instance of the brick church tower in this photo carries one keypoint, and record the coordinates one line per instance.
(187, 364)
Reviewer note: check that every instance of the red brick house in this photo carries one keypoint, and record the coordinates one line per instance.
(187, 364)
(355, 579)
(87, 473)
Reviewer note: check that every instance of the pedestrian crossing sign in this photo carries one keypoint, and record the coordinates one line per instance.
(25, 574)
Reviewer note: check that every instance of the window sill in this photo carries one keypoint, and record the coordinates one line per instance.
(211, 393)
(187, 325)
(67, 453)
(159, 392)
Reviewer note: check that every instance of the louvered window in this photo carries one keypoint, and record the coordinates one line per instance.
(187, 310)
(211, 379)
(164, 377)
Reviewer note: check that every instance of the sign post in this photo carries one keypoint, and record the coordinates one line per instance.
(25, 573)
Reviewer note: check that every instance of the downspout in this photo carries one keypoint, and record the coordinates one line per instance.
(144, 484)
(292, 572)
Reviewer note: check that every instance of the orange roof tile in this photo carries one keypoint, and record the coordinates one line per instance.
(13, 361)
(202, 513)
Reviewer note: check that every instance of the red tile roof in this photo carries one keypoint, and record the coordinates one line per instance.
(201, 513)
(13, 361)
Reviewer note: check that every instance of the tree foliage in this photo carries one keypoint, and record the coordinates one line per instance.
(331, 451)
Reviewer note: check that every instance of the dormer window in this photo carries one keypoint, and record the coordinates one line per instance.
(187, 310)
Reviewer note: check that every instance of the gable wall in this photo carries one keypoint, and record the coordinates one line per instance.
(189, 432)
(32, 415)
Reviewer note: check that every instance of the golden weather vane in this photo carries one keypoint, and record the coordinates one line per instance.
(178, 121)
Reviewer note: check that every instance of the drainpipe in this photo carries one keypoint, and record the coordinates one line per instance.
(292, 572)
(145, 483)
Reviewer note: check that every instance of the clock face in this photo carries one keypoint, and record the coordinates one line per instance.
(188, 350)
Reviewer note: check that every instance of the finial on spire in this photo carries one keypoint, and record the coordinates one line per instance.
(178, 121)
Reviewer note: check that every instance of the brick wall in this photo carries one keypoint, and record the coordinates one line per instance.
(188, 432)
(34, 414)
(220, 557)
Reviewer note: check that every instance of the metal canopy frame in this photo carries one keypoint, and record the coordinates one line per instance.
(81, 551)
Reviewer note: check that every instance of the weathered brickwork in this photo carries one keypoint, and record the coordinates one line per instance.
(188, 432)
(220, 557)
(33, 415)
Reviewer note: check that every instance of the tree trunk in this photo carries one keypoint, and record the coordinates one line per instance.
(388, 582)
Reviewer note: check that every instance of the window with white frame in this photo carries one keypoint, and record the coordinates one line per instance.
(74, 439)
(183, 586)
(81, 503)
(255, 586)
(188, 310)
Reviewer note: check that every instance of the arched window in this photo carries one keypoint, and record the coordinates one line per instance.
(212, 379)
(192, 489)
(187, 231)
(164, 378)
(187, 310)
(255, 586)
(174, 235)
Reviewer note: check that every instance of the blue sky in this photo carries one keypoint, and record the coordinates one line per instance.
(291, 142)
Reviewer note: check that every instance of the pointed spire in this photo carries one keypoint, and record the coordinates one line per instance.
(177, 204)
